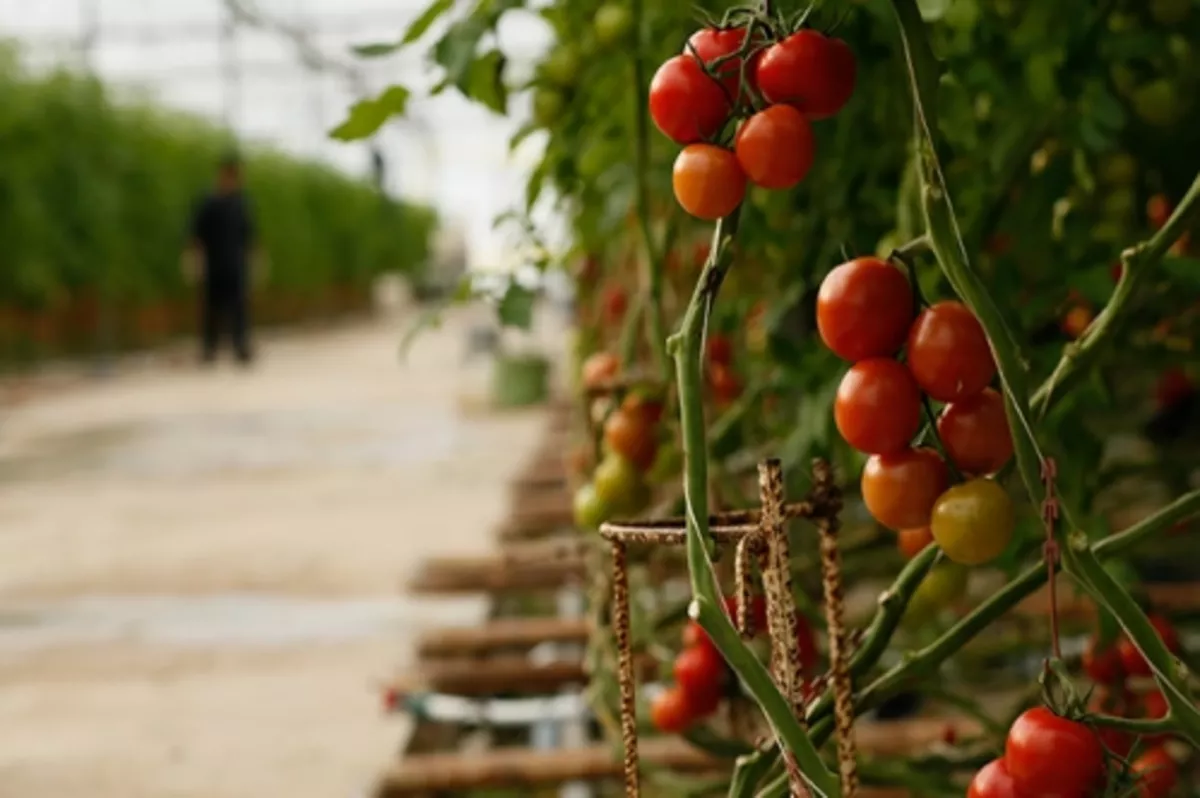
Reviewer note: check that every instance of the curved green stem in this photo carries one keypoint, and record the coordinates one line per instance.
(1138, 261)
(707, 607)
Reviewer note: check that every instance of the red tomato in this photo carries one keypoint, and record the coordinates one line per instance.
(1132, 660)
(948, 352)
(719, 349)
(864, 309)
(1053, 757)
(807, 70)
(708, 181)
(632, 436)
(600, 368)
(1158, 210)
(1102, 666)
(1156, 773)
(806, 646)
(900, 489)
(775, 147)
(700, 253)
(878, 406)
(649, 407)
(725, 385)
(994, 781)
(694, 634)
(616, 302)
(700, 672)
(1114, 741)
(713, 43)
(912, 542)
(671, 711)
(1173, 387)
(1154, 705)
(1077, 321)
(685, 103)
(975, 433)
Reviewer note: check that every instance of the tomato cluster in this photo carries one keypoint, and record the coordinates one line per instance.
(774, 88)
(1046, 754)
(619, 483)
(866, 315)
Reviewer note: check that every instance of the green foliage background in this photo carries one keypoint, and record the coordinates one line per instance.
(96, 195)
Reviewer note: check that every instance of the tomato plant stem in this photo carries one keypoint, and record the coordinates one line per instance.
(688, 350)
(1138, 261)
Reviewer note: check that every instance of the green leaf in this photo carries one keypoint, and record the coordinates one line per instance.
(426, 19)
(484, 81)
(367, 116)
(376, 49)
(516, 307)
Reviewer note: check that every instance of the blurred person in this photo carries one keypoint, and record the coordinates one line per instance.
(220, 255)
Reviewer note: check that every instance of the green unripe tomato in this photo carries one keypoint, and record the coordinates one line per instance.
(618, 483)
(562, 67)
(1157, 103)
(548, 106)
(1118, 169)
(612, 22)
(589, 509)
(942, 587)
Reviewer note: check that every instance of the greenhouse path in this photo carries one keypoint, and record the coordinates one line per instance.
(199, 571)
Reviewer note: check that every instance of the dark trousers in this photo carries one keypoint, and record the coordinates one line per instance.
(225, 311)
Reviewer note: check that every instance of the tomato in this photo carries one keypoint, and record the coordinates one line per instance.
(864, 309)
(616, 302)
(700, 672)
(562, 66)
(878, 406)
(775, 147)
(1053, 757)
(810, 71)
(548, 106)
(709, 44)
(726, 387)
(1154, 705)
(685, 103)
(948, 352)
(1077, 321)
(1131, 658)
(650, 408)
(700, 253)
(1103, 666)
(632, 436)
(612, 22)
(941, 588)
(1173, 387)
(719, 349)
(912, 542)
(617, 483)
(599, 369)
(589, 509)
(975, 433)
(1157, 103)
(671, 711)
(1158, 210)
(973, 522)
(1156, 773)
(808, 653)
(708, 181)
(1118, 169)
(899, 489)
(994, 781)
(694, 634)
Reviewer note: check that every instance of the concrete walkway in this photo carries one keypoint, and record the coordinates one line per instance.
(199, 570)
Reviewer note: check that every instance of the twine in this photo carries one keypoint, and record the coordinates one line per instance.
(629, 740)
(826, 492)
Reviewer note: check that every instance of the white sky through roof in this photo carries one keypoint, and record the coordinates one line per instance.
(449, 152)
